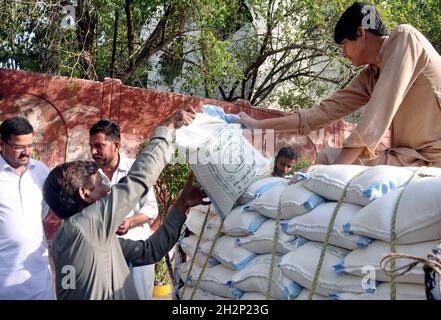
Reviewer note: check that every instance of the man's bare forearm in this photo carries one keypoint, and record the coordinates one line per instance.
(138, 220)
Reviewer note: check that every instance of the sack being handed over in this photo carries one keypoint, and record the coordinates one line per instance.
(222, 159)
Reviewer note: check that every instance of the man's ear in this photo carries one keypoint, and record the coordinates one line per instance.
(117, 145)
(362, 33)
(84, 194)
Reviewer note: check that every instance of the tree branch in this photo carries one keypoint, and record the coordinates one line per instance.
(263, 48)
(166, 30)
(86, 24)
(115, 34)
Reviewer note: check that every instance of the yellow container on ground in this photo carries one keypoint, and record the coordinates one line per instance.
(160, 291)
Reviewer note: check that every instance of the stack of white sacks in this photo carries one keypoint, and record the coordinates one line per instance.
(297, 215)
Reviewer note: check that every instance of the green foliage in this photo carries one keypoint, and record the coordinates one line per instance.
(170, 64)
(425, 15)
(299, 165)
(162, 276)
(170, 182)
(214, 66)
(282, 55)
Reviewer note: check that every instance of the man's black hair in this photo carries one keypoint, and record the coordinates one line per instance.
(360, 14)
(109, 128)
(16, 126)
(61, 188)
(287, 152)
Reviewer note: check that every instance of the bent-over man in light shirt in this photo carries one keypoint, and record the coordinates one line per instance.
(90, 261)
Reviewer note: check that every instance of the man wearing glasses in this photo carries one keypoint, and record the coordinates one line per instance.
(24, 263)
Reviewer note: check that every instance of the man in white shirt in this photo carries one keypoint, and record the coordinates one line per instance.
(24, 263)
(104, 140)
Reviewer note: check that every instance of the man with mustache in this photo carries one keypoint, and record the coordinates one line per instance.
(284, 161)
(105, 143)
(24, 263)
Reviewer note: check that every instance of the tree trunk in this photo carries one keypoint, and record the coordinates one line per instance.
(168, 28)
(115, 35)
(86, 27)
(130, 35)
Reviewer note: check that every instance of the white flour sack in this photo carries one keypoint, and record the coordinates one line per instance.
(240, 222)
(254, 278)
(313, 225)
(214, 280)
(195, 221)
(405, 291)
(205, 209)
(418, 216)
(296, 200)
(254, 296)
(360, 262)
(300, 265)
(229, 253)
(304, 295)
(268, 203)
(188, 245)
(372, 184)
(186, 292)
(222, 159)
(259, 186)
(263, 240)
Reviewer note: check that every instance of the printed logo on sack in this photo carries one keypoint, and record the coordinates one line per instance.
(233, 159)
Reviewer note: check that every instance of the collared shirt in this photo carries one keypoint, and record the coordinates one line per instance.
(24, 263)
(402, 93)
(147, 206)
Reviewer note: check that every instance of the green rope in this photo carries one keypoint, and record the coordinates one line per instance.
(393, 236)
(327, 236)
(196, 249)
(210, 253)
(273, 254)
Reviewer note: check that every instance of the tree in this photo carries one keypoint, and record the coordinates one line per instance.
(271, 52)
(286, 48)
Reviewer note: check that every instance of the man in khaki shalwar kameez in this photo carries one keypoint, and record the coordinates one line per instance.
(400, 89)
